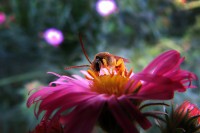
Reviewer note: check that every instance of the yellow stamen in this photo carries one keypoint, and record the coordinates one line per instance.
(110, 85)
(113, 81)
(129, 73)
(92, 73)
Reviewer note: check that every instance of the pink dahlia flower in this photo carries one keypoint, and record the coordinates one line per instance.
(112, 97)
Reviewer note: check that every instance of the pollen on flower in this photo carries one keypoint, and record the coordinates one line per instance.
(106, 84)
(111, 81)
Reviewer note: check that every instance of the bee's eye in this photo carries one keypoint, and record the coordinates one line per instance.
(97, 65)
(98, 58)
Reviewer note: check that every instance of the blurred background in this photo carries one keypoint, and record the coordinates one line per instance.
(40, 36)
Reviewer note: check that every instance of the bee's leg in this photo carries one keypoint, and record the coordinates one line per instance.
(120, 66)
(105, 64)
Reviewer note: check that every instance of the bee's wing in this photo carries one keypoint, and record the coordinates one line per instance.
(124, 59)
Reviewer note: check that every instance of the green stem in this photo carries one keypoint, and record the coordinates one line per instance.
(21, 77)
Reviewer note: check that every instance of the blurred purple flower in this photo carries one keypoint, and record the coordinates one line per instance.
(106, 7)
(2, 17)
(53, 36)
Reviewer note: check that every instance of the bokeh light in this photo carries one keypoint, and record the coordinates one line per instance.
(53, 36)
(2, 17)
(106, 7)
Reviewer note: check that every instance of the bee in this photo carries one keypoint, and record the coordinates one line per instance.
(105, 59)
(101, 60)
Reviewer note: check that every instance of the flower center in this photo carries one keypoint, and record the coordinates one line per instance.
(109, 84)
(112, 81)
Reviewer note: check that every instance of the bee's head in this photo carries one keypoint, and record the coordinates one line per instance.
(97, 63)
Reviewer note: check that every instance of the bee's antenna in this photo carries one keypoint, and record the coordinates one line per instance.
(82, 46)
(67, 68)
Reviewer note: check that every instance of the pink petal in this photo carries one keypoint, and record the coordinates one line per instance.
(64, 103)
(166, 57)
(168, 66)
(86, 74)
(154, 92)
(121, 116)
(63, 80)
(63, 97)
(83, 118)
(156, 87)
(146, 78)
(44, 92)
(135, 113)
(159, 81)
